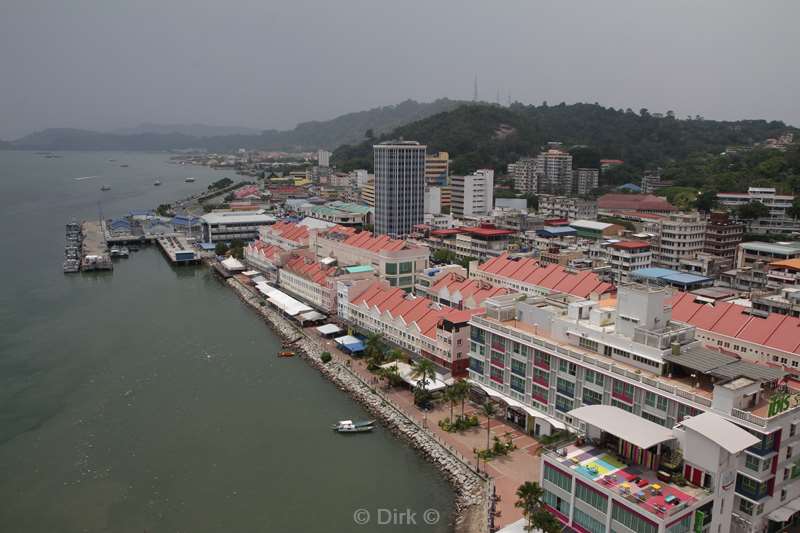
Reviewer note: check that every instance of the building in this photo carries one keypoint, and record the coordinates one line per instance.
(676, 236)
(339, 213)
(368, 193)
(567, 207)
(451, 286)
(544, 360)
(585, 180)
(399, 187)
(673, 278)
(591, 482)
(723, 236)
(433, 200)
(613, 203)
(437, 169)
(753, 252)
(418, 325)
(624, 257)
(266, 258)
(228, 226)
(395, 261)
(524, 175)
(606, 164)
(652, 183)
(786, 302)
(477, 242)
(324, 158)
(528, 276)
(290, 235)
(776, 221)
(782, 274)
(473, 195)
(554, 170)
(314, 282)
(592, 229)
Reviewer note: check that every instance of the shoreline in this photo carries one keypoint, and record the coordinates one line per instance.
(472, 492)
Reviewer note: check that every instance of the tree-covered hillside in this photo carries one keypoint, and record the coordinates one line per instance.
(484, 135)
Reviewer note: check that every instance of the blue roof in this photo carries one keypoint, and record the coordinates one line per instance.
(353, 346)
(556, 230)
(670, 276)
(630, 187)
(207, 245)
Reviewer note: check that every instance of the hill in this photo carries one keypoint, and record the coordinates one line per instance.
(485, 135)
(306, 136)
(192, 130)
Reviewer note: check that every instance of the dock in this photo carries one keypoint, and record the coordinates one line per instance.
(95, 254)
(178, 250)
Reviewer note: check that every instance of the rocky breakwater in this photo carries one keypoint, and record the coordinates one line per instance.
(473, 492)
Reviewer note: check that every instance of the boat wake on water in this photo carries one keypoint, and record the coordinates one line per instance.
(86, 178)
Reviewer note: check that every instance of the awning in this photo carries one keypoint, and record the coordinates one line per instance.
(329, 329)
(782, 514)
(519, 405)
(233, 265)
(311, 316)
(350, 343)
(627, 426)
(282, 301)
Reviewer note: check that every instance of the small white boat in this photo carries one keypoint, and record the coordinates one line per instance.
(189, 180)
(105, 188)
(157, 183)
(348, 426)
(119, 252)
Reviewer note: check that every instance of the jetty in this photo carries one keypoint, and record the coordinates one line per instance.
(178, 250)
(95, 254)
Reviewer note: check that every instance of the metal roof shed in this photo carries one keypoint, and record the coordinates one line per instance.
(627, 426)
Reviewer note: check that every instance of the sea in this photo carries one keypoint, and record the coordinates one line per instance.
(150, 399)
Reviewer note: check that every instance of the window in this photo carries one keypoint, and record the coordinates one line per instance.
(566, 366)
(594, 377)
(518, 384)
(591, 397)
(560, 505)
(746, 506)
(405, 280)
(476, 365)
(621, 405)
(557, 478)
(632, 520)
(588, 522)
(588, 344)
(788, 452)
(406, 268)
(654, 400)
(477, 335)
(623, 391)
(653, 418)
(682, 526)
(496, 374)
(563, 404)
(592, 497)
(793, 429)
(539, 393)
(753, 463)
(565, 387)
(541, 376)
(391, 268)
(518, 367)
(541, 359)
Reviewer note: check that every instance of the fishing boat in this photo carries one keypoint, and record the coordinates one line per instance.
(348, 426)
(157, 183)
(286, 353)
(105, 188)
(189, 180)
(119, 252)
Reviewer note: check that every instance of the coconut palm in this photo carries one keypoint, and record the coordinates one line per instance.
(424, 371)
(451, 396)
(529, 496)
(375, 347)
(462, 390)
(489, 410)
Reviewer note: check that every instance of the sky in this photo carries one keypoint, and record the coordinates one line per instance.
(106, 64)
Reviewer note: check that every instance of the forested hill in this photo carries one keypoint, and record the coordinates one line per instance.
(485, 135)
(348, 128)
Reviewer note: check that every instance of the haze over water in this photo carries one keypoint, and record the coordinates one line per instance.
(151, 399)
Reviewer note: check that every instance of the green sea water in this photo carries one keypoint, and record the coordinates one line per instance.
(150, 398)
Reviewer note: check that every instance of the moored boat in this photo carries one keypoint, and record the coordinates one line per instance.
(286, 353)
(348, 426)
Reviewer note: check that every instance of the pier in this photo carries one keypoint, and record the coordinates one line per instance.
(178, 250)
(95, 254)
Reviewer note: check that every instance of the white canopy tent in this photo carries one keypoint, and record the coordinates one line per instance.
(311, 316)
(329, 329)
(282, 301)
(406, 373)
(232, 264)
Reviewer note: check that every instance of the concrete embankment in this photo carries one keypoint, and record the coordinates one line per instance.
(473, 492)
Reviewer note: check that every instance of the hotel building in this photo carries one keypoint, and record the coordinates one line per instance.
(399, 187)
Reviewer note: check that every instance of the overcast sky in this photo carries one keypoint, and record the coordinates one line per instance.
(103, 64)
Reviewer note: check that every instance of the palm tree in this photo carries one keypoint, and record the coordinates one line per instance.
(390, 374)
(451, 395)
(529, 496)
(424, 371)
(462, 390)
(489, 410)
(375, 347)
(395, 355)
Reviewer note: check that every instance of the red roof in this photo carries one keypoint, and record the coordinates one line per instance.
(555, 277)
(366, 240)
(634, 202)
(776, 331)
(267, 250)
(413, 310)
(307, 268)
(445, 232)
(478, 290)
(488, 232)
(291, 231)
(631, 245)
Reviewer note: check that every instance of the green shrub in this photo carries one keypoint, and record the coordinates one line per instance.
(325, 357)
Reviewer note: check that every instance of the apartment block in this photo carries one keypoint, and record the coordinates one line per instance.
(676, 236)
(473, 195)
(776, 221)
(567, 207)
(585, 180)
(437, 169)
(723, 235)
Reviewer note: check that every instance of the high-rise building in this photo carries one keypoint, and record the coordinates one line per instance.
(368, 193)
(585, 180)
(554, 168)
(723, 235)
(677, 236)
(524, 174)
(473, 195)
(399, 187)
(323, 158)
(437, 169)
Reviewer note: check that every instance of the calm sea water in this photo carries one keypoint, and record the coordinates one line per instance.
(150, 399)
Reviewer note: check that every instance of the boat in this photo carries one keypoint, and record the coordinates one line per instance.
(123, 166)
(119, 252)
(157, 183)
(348, 426)
(286, 353)
(105, 188)
(189, 180)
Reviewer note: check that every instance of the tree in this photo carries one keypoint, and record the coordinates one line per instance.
(529, 499)
(489, 410)
(375, 348)
(752, 211)
(444, 256)
(221, 248)
(462, 390)
(706, 201)
(325, 357)
(546, 522)
(451, 396)
(424, 372)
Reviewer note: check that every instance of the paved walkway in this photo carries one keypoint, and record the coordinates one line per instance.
(508, 472)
